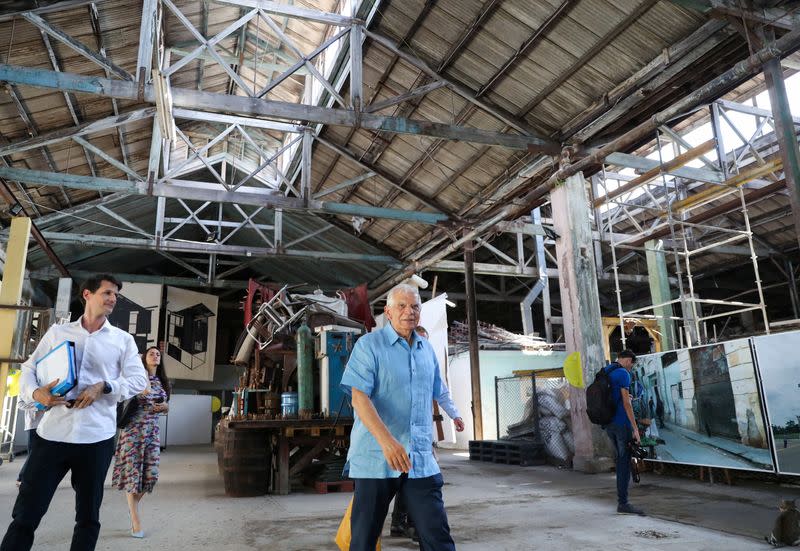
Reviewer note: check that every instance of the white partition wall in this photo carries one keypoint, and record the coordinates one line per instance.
(189, 420)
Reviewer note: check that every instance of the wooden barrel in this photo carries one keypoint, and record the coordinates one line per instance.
(245, 462)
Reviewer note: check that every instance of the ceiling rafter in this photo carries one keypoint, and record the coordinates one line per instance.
(33, 131)
(57, 33)
(379, 145)
(607, 39)
(94, 18)
(540, 33)
(558, 14)
(68, 99)
(373, 152)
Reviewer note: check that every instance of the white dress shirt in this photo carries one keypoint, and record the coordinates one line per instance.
(108, 354)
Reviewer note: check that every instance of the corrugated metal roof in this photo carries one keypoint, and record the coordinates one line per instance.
(589, 49)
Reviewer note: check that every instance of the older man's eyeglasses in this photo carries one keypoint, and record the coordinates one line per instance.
(402, 306)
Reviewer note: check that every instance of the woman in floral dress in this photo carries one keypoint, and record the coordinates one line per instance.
(139, 445)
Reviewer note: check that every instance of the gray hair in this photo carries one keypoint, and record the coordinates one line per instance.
(402, 288)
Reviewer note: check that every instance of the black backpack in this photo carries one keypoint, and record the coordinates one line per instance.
(600, 404)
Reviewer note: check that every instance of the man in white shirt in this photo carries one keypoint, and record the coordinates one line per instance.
(77, 431)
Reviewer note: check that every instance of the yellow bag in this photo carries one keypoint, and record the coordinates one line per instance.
(343, 533)
(13, 382)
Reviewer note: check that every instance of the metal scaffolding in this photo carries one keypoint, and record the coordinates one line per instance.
(656, 208)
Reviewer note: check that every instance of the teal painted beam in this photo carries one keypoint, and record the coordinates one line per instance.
(380, 212)
(93, 183)
(69, 82)
(208, 101)
(201, 191)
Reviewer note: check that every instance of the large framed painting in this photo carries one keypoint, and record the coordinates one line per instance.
(137, 311)
(779, 366)
(190, 334)
(704, 407)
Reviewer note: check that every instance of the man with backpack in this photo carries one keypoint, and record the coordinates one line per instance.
(622, 427)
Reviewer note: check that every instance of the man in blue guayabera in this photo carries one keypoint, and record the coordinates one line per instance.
(393, 376)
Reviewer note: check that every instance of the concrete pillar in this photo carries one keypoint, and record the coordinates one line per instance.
(658, 278)
(580, 305)
(11, 290)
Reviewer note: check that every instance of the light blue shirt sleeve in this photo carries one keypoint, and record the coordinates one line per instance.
(441, 393)
(445, 402)
(360, 370)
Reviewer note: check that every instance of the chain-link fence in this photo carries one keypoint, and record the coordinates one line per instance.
(554, 420)
(517, 414)
(536, 409)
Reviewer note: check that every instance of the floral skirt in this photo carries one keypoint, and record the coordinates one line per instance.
(137, 456)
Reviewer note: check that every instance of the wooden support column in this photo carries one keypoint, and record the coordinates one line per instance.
(660, 291)
(11, 290)
(580, 306)
(472, 328)
(787, 139)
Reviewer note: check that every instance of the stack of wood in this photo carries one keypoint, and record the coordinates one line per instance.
(492, 337)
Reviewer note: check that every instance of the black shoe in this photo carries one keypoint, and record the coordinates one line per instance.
(628, 509)
(396, 531)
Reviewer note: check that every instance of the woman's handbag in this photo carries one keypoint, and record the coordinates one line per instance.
(125, 411)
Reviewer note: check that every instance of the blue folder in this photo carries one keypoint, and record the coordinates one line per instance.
(59, 364)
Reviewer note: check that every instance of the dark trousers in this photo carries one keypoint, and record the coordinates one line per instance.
(620, 436)
(31, 433)
(423, 498)
(400, 512)
(46, 466)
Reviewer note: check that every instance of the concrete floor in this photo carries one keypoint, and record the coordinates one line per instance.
(496, 507)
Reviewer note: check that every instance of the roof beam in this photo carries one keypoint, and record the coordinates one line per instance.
(686, 172)
(193, 99)
(94, 19)
(62, 5)
(203, 191)
(48, 274)
(43, 140)
(79, 47)
(464, 92)
(411, 94)
(640, 86)
(34, 131)
(68, 99)
(251, 122)
(590, 54)
(183, 246)
(469, 33)
(147, 34)
(677, 162)
(294, 12)
(383, 175)
(560, 12)
(773, 17)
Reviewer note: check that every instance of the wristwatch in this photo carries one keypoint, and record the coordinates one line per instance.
(106, 387)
